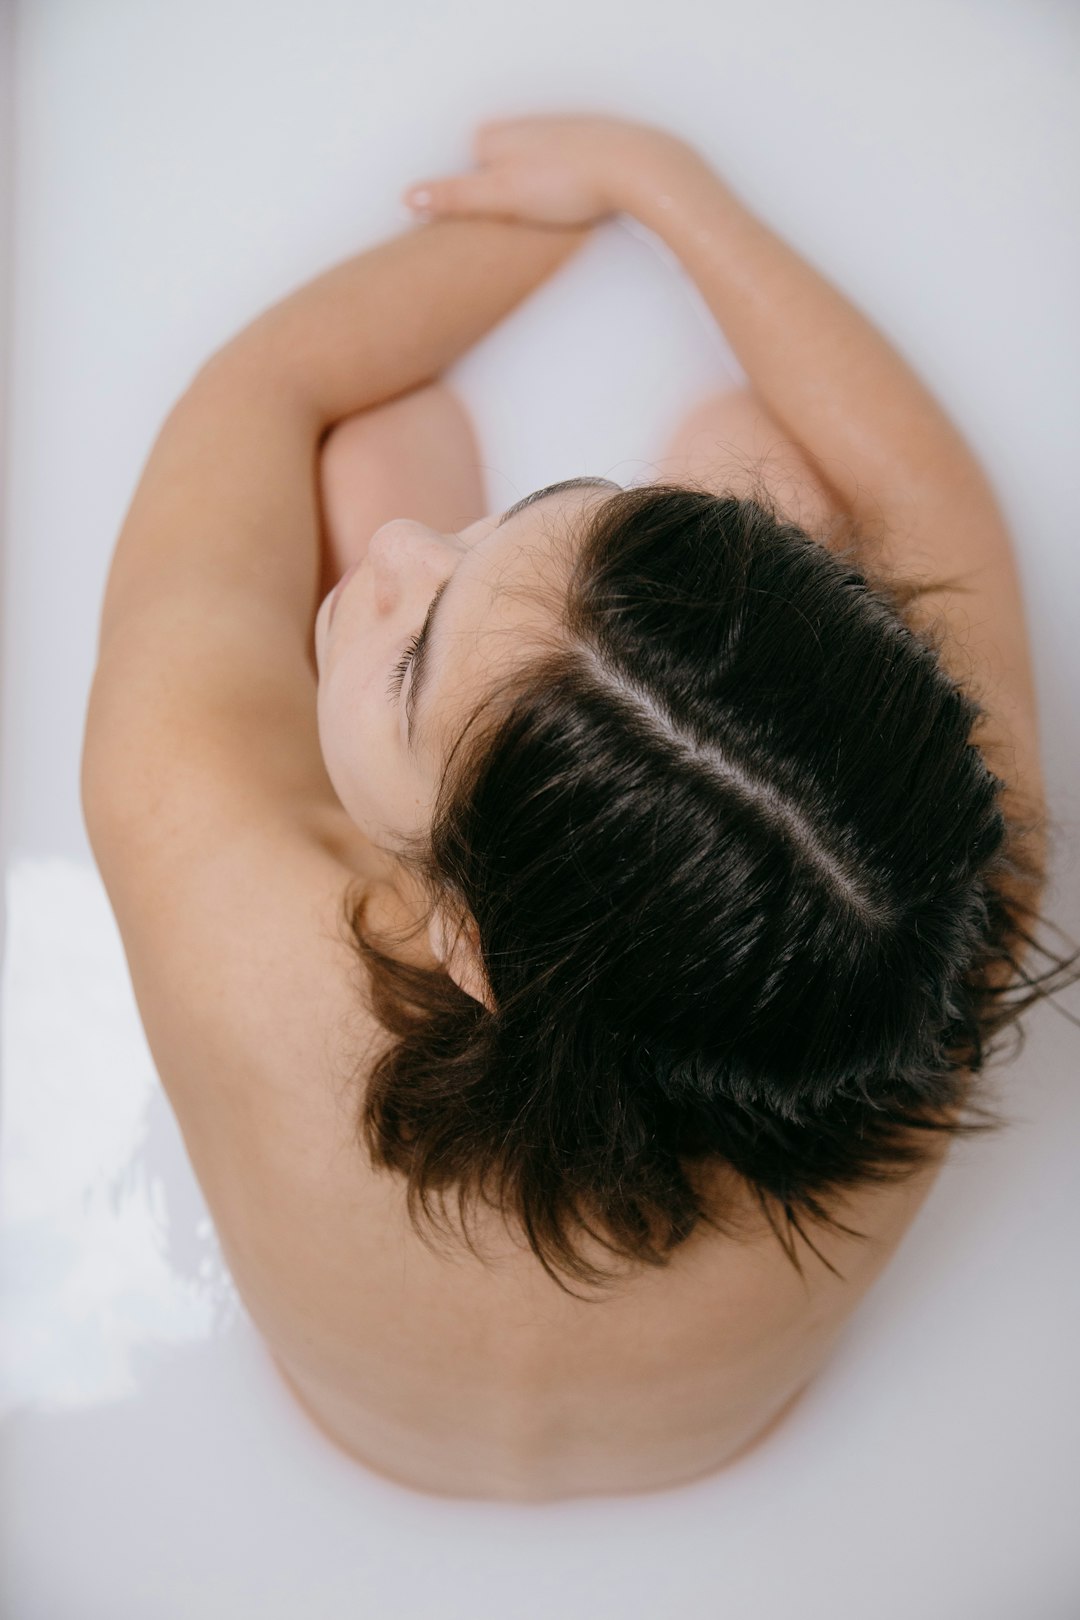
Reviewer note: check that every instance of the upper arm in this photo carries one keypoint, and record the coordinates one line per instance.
(205, 681)
(246, 984)
(949, 529)
(215, 831)
(197, 709)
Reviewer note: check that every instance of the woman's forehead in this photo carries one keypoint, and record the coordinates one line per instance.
(503, 596)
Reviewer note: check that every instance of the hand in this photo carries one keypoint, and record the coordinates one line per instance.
(548, 170)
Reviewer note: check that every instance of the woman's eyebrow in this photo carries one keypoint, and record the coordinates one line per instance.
(553, 489)
(419, 667)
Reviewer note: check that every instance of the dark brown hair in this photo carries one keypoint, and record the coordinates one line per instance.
(745, 890)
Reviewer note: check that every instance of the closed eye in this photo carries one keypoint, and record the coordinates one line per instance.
(397, 674)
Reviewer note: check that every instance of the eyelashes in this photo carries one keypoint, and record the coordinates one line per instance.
(397, 675)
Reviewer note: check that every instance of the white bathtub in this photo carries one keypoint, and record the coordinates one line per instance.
(173, 169)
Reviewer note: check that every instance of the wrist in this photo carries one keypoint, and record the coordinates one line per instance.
(391, 318)
(669, 182)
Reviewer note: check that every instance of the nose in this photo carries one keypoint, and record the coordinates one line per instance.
(403, 555)
(404, 541)
(386, 542)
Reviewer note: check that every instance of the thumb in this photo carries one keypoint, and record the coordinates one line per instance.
(459, 194)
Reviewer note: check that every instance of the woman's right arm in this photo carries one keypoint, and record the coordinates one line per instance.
(874, 432)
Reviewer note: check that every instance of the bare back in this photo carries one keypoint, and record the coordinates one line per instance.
(449, 1373)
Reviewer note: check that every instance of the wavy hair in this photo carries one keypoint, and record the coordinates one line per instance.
(746, 894)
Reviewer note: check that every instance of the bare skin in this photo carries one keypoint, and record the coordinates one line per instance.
(453, 1376)
(418, 454)
(443, 1374)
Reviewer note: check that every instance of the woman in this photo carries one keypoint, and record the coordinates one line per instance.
(688, 834)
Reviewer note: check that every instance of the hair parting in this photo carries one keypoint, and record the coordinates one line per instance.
(752, 905)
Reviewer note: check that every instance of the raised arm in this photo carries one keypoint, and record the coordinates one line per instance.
(872, 431)
(226, 507)
(205, 668)
(393, 317)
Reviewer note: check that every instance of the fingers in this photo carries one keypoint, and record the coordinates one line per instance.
(420, 199)
(458, 194)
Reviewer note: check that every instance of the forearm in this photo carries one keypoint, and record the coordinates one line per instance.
(834, 382)
(394, 317)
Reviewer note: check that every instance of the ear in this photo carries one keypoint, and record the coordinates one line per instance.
(461, 957)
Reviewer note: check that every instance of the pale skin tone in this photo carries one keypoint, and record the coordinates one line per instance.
(227, 857)
(488, 574)
(484, 576)
(479, 630)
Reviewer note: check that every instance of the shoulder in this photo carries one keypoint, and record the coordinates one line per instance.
(238, 947)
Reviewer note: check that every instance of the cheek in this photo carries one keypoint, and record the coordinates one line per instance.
(339, 709)
(355, 725)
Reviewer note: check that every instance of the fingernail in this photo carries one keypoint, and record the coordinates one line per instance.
(420, 198)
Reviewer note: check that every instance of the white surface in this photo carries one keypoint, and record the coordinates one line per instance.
(179, 167)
